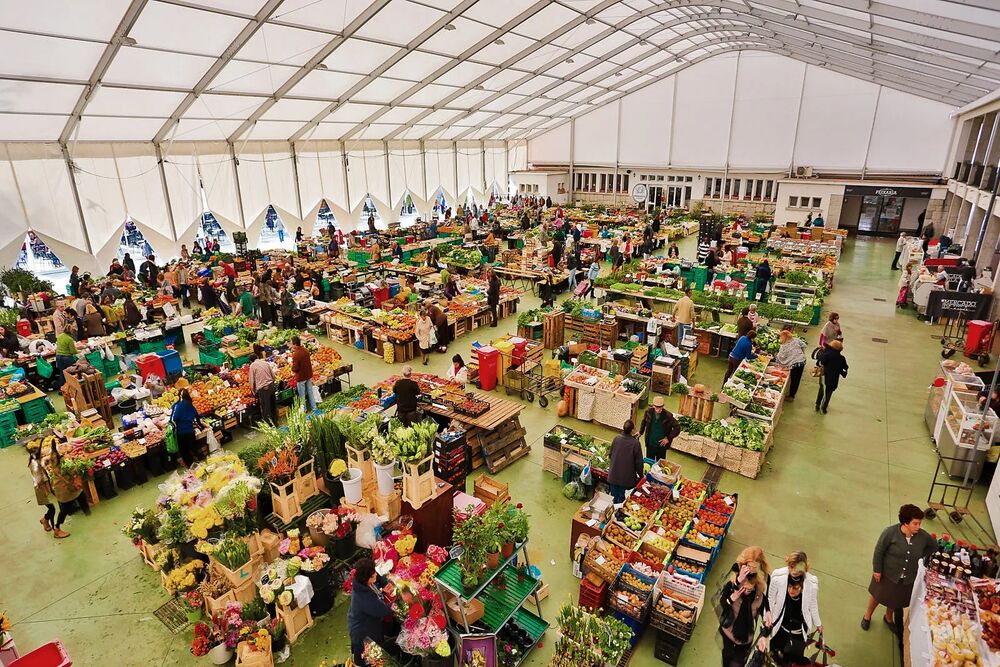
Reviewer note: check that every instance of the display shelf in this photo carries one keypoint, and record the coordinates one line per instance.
(535, 626)
(501, 604)
(450, 576)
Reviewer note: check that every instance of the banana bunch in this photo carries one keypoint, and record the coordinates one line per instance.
(44, 444)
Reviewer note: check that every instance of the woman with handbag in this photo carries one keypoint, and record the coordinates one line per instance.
(425, 333)
(833, 366)
(792, 354)
(742, 604)
(44, 495)
(184, 417)
(793, 600)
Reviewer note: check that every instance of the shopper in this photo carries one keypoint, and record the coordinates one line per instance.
(185, 417)
(900, 244)
(262, 385)
(762, 279)
(63, 320)
(368, 609)
(67, 489)
(302, 371)
(742, 350)
(65, 357)
(247, 306)
(546, 289)
(894, 567)
(571, 268)
(660, 428)
(743, 323)
(742, 604)
(626, 468)
(457, 372)
(831, 330)
(493, 297)
(44, 495)
(834, 366)
(9, 343)
(268, 297)
(592, 274)
(74, 281)
(684, 315)
(792, 598)
(183, 285)
(424, 331)
(673, 252)
(792, 355)
(711, 261)
(149, 273)
(441, 327)
(903, 296)
(130, 313)
(288, 308)
(112, 315)
(406, 391)
(753, 315)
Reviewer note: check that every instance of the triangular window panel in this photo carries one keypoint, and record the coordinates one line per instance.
(211, 229)
(326, 221)
(369, 211)
(37, 257)
(273, 233)
(133, 243)
(408, 213)
(439, 204)
(470, 199)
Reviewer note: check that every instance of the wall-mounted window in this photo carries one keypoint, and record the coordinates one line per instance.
(793, 202)
(769, 191)
(817, 202)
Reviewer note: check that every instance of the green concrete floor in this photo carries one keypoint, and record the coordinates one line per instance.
(829, 486)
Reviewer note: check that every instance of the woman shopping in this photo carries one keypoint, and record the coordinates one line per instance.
(831, 330)
(793, 601)
(742, 605)
(833, 367)
(792, 354)
(185, 417)
(45, 495)
(424, 331)
(368, 608)
(457, 372)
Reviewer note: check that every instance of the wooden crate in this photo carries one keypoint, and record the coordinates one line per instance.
(236, 577)
(296, 621)
(286, 502)
(305, 482)
(247, 657)
(553, 330)
(360, 508)
(490, 491)
(697, 406)
(552, 462)
(418, 481)
(149, 552)
(362, 460)
(218, 605)
(390, 505)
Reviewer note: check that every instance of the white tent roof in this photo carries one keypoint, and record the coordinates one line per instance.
(141, 70)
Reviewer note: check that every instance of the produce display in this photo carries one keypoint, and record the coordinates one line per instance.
(746, 433)
(587, 638)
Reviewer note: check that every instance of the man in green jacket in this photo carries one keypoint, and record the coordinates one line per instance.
(247, 305)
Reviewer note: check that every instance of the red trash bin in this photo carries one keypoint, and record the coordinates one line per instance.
(23, 328)
(488, 361)
(150, 364)
(519, 355)
(977, 337)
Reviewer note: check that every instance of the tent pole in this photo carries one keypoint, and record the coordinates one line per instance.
(166, 191)
(76, 198)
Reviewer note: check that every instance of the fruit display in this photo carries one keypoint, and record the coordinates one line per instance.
(707, 515)
(988, 603)
(627, 602)
(658, 542)
(616, 533)
(689, 566)
(213, 395)
(694, 537)
(634, 524)
(669, 608)
(691, 489)
(720, 503)
(638, 510)
(710, 529)
(635, 582)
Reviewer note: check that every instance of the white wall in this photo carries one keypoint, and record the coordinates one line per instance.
(784, 213)
(782, 112)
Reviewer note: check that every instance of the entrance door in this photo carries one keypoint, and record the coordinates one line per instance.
(675, 196)
(655, 199)
(880, 216)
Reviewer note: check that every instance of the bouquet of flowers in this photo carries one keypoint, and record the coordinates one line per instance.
(192, 600)
(274, 582)
(142, 526)
(223, 628)
(183, 577)
(423, 621)
(375, 656)
(437, 555)
(313, 559)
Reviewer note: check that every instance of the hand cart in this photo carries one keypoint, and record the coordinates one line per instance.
(973, 337)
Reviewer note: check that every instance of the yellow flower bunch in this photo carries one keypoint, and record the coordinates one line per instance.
(427, 576)
(4, 622)
(405, 544)
(183, 578)
(202, 520)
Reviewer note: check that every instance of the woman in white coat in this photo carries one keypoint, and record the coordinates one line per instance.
(793, 600)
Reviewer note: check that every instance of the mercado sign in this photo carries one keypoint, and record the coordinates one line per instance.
(966, 305)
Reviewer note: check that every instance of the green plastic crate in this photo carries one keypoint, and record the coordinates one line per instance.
(111, 367)
(147, 346)
(240, 362)
(207, 356)
(8, 370)
(35, 411)
(211, 336)
(96, 359)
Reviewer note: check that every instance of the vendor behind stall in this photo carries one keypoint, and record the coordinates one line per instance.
(9, 344)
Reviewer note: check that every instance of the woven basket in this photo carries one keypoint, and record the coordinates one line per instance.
(732, 458)
(751, 464)
(585, 405)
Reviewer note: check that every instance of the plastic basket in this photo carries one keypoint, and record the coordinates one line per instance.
(148, 346)
(35, 411)
(210, 357)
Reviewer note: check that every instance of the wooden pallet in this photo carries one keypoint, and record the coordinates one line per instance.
(697, 407)
(504, 445)
(553, 330)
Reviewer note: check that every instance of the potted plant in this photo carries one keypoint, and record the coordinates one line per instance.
(193, 604)
(218, 638)
(517, 524)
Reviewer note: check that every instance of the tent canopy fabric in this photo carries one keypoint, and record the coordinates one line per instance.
(274, 70)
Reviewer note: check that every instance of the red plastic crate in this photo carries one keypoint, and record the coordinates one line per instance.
(594, 597)
(52, 654)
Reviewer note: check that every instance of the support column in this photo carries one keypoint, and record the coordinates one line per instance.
(798, 119)
(388, 183)
(729, 136)
(295, 175)
(166, 191)
(236, 176)
(347, 182)
(871, 131)
(572, 163)
(76, 197)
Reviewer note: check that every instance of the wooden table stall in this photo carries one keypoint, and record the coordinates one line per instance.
(496, 437)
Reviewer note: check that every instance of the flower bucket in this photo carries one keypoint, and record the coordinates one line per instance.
(352, 485)
(493, 560)
(383, 473)
(343, 548)
(318, 536)
(220, 655)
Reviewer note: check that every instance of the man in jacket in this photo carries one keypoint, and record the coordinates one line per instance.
(262, 385)
(406, 391)
(302, 371)
(660, 429)
(684, 314)
(742, 350)
(626, 467)
(149, 273)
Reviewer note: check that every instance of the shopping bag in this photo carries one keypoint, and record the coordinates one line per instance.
(213, 442)
(434, 336)
(170, 440)
(821, 656)
(317, 399)
(45, 369)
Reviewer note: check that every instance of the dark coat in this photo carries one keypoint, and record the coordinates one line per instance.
(626, 461)
(834, 366)
(671, 425)
(493, 292)
(364, 619)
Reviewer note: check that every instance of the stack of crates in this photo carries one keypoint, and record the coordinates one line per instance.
(8, 424)
(112, 367)
(36, 410)
(591, 596)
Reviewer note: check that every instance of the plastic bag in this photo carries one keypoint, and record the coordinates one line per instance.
(170, 440)
(213, 442)
(364, 536)
(317, 399)
(585, 477)
(45, 369)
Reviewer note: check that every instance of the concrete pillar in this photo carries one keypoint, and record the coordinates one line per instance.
(834, 210)
(935, 215)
